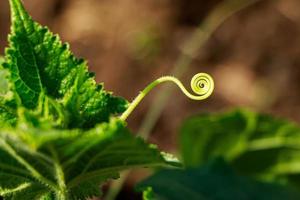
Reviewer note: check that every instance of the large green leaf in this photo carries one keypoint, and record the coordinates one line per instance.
(254, 144)
(58, 136)
(70, 164)
(45, 72)
(215, 181)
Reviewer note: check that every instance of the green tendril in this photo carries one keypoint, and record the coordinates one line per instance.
(202, 85)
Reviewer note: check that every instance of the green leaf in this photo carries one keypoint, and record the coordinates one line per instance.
(7, 116)
(43, 70)
(4, 84)
(254, 144)
(70, 164)
(215, 181)
(148, 194)
(7, 109)
(1, 61)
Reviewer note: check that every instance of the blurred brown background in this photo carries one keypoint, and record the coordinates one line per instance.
(254, 55)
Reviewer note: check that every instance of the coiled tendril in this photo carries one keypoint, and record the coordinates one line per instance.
(202, 85)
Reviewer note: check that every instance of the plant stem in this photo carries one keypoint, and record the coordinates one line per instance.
(62, 194)
(202, 84)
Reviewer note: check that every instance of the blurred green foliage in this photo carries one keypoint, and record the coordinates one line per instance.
(214, 181)
(256, 146)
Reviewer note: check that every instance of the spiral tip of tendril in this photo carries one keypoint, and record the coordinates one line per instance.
(202, 84)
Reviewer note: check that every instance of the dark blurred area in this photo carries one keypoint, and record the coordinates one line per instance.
(254, 56)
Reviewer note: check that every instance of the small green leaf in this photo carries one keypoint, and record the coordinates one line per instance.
(71, 163)
(254, 144)
(215, 181)
(42, 67)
